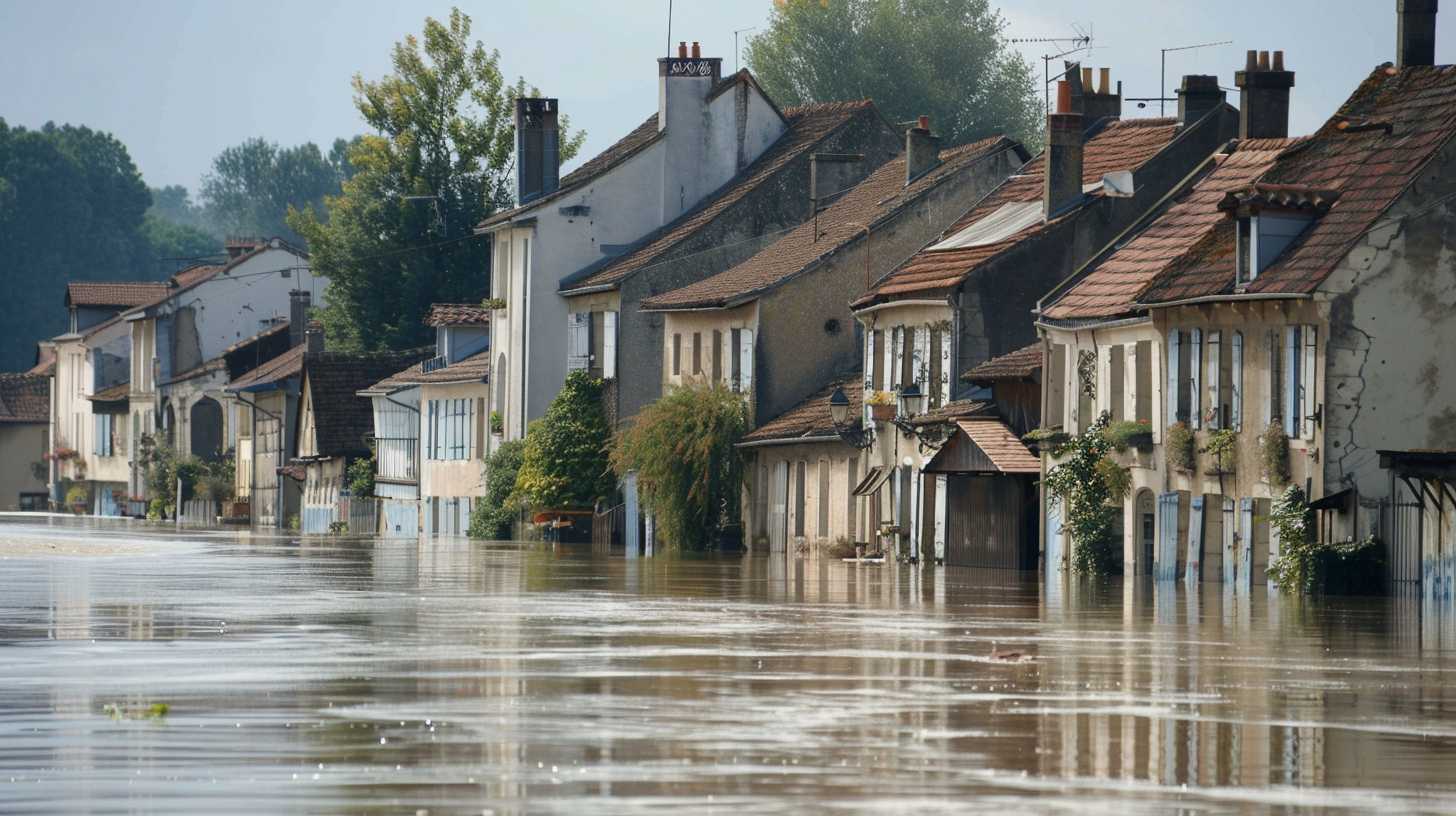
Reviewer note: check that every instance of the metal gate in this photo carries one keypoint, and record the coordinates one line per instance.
(1165, 568)
(1405, 536)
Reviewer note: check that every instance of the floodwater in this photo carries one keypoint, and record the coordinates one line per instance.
(363, 676)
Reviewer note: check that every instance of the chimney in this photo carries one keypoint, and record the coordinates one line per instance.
(298, 303)
(1415, 33)
(538, 163)
(1062, 174)
(314, 337)
(1100, 102)
(922, 150)
(1264, 96)
(830, 174)
(683, 85)
(1198, 95)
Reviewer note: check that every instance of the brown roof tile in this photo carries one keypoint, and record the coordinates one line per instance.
(457, 314)
(114, 393)
(810, 418)
(1121, 145)
(475, 368)
(288, 364)
(807, 127)
(995, 439)
(1113, 285)
(120, 294)
(879, 196)
(25, 398)
(342, 418)
(1016, 365)
(951, 411)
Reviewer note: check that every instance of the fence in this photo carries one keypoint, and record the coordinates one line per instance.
(198, 511)
(609, 530)
(361, 514)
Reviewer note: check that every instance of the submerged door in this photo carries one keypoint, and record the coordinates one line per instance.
(1166, 565)
(778, 512)
(1054, 547)
(1246, 543)
(1230, 554)
(1195, 540)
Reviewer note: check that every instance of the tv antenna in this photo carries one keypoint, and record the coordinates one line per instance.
(1163, 98)
(1081, 40)
(736, 32)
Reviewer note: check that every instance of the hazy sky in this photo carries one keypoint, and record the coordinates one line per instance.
(178, 81)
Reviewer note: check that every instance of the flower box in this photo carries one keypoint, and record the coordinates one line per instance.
(883, 413)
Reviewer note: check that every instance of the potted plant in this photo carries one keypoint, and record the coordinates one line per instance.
(1180, 448)
(1130, 434)
(1046, 440)
(882, 406)
(1274, 448)
(1223, 447)
(497, 423)
(494, 304)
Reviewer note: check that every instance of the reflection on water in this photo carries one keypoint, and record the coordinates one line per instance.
(361, 676)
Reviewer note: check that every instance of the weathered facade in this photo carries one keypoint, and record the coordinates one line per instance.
(25, 413)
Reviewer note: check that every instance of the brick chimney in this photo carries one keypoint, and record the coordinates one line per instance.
(314, 338)
(1264, 96)
(1198, 95)
(1062, 176)
(538, 160)
(922, 150)
(1415, 33)
(1100, 101)
(298, 303)
(831, 174)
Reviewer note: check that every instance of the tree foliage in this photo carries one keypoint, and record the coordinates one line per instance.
(361, 477)
(401, 234)
(688, 472)
(1085, 487)
(564, 463)
(493, 514)
(72, 208)
(945, 58)
(253, 185)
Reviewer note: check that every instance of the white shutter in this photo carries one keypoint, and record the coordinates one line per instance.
(869, 376)
(1308, 399)
(888, 336)
(1236, 388)
(727, 356)
(920, 361)
(1195, 377)
(578, 340)
(470, 431)
(1215, 354)
(745, 359)
(609, 345)
(945, 368)
(1104, 381)
(1170, 399)
(1129, 381)
(1291, 381)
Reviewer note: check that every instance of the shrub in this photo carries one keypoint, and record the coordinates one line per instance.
(564, 464)
(688, 471)
(361, 476)
(840, 547)
(497, 509)
(1117, 478)
(1080, 485)
(77, 494)
(1123, 435)
(1274, 449)
(1223, 446)
(1179, 446)
(1307, 566)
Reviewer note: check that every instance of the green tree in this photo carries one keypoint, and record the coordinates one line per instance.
(945, 58)
(1086, 483)
(253, 185)
(401, 234)
(169, 240)
(493, 514)
(72, 208)
(564, 463)
(688, 471)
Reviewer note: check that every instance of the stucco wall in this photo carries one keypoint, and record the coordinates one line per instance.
(836, 457)
(20, 444)
(458, 477)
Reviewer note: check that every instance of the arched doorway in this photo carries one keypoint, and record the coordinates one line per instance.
(169, 425)
(1144, 525)
(499, 404)
(205, 428)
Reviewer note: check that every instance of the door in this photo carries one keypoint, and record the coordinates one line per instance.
(1165, 568)
(1195, 540)
(1230, 536)
(778, 515)
(940, 518)
(1246, 543)
(1054, 547)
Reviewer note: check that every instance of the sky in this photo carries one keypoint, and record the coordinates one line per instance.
(178, 81)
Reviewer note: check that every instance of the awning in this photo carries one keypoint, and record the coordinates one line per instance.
(872, 481)
(984, 445)
(1339, 500)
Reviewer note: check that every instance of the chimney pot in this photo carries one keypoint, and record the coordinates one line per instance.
(1279, 60)
(1415, 32)
(1064, 96)
(1264, 99)
(1263, 60)
(1251, 61)
(923, 122)
(682, 50)
(1104, 81)
(697, 52)
(1087, 86)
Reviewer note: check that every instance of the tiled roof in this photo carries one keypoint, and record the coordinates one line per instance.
(995, 439)
(193, 275)
(288, 364)
(25, 398)
(1113, 286)
(1016, 365)
(270, 331)
(457, 314)
(1120, 145)
(118, 294)
(342, 418)
(627, 147)
(810, 418)
(205, 367)
(1369, 152)
(807, 127)
(114, 393)
(879, 196)
(951, 411)
(475, 368)
(45, 360)
(1259, 196)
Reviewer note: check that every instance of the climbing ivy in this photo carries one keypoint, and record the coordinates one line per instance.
(1086, 483)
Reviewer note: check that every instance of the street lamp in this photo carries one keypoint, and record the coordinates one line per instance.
(854, 435)
(838, 407)
(912, 399)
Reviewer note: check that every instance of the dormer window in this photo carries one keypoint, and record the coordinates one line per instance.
(1270, 218)
(1247, 271)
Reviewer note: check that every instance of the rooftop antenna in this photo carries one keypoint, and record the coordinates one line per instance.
(735, 44)
(1081, 40)
(1163, 97)
(669, 28)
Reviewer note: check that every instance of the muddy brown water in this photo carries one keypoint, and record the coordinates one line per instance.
(387, 676)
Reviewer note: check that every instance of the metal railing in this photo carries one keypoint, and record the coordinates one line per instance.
(397, 458)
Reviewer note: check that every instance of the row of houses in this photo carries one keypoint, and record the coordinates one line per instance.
(907, 322)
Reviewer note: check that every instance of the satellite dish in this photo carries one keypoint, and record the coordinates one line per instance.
(1118, 184)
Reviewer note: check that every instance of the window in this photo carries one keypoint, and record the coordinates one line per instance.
(451, 425)
(1245, 248)
(697, 353)
(822, 530)
(878, 360)
(717, 356)
(676, 355)
(102, 444)
(1117, 383)
(799, 475)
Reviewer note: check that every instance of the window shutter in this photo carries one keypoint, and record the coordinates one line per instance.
(1275, 400)
(1170, 400)
(735, 342)
(897, 351)
(869, 374)
(578, 341)
(879, 353)
(745, 360)
(1214, 412)
(920, 361)
(1195, 385)
(723, 365)
(1308, 399)
(1236, 388)
(1291, 381)
(609, 345)
(697, 353)
(946, 367)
